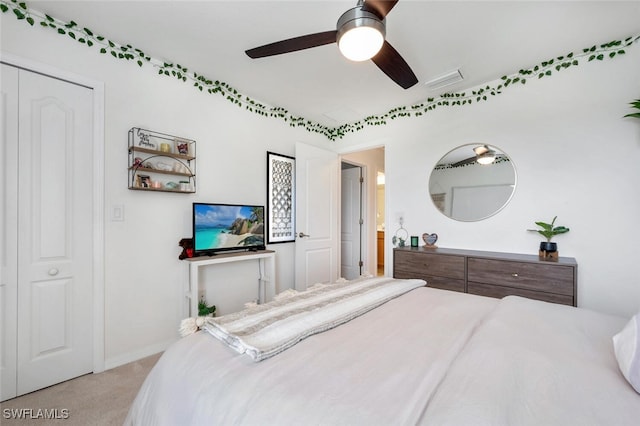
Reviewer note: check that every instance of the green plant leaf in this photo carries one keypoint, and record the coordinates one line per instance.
(545, 226)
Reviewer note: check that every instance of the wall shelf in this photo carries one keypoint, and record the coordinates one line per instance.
(161, 162)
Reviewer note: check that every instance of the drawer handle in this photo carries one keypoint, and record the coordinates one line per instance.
(514, 275)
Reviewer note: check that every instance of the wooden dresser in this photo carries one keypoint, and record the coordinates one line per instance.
(489, 273)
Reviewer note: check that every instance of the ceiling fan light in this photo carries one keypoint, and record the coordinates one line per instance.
(360, 43)
(360, 34)
(486, 158)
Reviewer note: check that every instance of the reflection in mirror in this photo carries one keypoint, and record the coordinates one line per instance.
(472, 182)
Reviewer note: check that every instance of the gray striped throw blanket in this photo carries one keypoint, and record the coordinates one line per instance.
(266, 330)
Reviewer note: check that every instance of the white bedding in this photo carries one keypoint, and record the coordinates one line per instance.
(536, 363)
(377, 369)
(428, 357)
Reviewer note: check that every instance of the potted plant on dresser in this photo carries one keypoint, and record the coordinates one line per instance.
(635, 104)
(549, 250)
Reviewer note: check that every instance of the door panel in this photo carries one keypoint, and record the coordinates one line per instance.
(8, 234)
(55, 287)
(316, 262)
(50, 327)
(317, 189)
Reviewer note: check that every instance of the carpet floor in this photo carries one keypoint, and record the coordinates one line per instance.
(94, 399)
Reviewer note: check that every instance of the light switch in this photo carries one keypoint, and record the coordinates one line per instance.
(117, 213)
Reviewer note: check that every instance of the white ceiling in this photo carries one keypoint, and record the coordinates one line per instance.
(484, 39)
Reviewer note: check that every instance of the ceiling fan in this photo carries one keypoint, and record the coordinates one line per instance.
(366, 23)
(484, 155)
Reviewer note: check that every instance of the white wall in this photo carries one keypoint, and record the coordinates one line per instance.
(144, 278)
(575, 157)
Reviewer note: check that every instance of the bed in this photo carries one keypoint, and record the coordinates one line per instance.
(422, 356)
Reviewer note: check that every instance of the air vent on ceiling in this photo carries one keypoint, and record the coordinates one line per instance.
(444, 80)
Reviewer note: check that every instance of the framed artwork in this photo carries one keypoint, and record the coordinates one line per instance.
(181, 146)
(281, 189)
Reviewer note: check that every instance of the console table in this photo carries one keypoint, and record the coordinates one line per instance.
(490, 273)
(267, 276)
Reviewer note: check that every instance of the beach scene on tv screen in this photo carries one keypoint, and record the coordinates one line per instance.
(226, 227)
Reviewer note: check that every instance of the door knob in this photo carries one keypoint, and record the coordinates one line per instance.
(53, 271)
(302, 235)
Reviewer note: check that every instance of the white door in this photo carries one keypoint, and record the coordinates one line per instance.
(351, 221)
(54, 243)
(316, 252)
(8, 234)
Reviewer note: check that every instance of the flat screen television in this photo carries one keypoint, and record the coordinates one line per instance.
(224, 227)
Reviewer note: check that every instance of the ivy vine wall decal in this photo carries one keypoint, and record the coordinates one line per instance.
(202, 83)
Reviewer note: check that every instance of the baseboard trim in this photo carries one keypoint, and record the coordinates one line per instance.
(137, 355)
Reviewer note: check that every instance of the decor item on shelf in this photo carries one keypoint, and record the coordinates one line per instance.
(430, 240)
(182, 146)
(414, 241)
(281, 189)
(143, 181)
(161, 165)
(549, 250)
(187, 248)
(635, 104)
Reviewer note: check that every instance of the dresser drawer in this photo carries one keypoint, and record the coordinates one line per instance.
(434, 265)
(443, 283)
(500, 292)
(552, 278)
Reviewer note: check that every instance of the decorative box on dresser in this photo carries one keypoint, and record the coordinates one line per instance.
(490, 273)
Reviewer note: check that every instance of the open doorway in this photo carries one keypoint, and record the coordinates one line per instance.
(380, 222)
(371, 164)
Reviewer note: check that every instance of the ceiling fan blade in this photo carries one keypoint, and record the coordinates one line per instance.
(464, 162)
(391, 63)
(293, 44)
(379, 7)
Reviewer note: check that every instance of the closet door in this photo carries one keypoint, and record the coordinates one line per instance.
(52, 215)
(8, 234)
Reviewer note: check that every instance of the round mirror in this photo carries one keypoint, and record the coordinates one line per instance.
(472, 182)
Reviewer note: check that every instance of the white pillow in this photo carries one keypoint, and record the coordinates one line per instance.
(626, 345)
